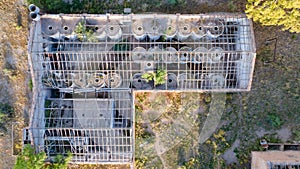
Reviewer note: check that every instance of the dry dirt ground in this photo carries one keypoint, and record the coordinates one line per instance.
(13, 75)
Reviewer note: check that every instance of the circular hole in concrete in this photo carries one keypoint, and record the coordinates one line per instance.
(185, 28)
(66, 28)
(111, 28)
(112, 80)
(169, 28)
(200, 28)
(148, 64)
(216, 28)
(139, 80)
(96, 28)
(140, 28)
(96, 80)
(50, 27)
(170, 80)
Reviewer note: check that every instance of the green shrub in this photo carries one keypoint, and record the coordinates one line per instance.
(284, 13)
(296, 135)
(78, 6)
(28, 159)
(159, 77)
(275, 120)
(85, 34)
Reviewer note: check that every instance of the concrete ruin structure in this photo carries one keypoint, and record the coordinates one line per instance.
(85, 69)
(275, 159)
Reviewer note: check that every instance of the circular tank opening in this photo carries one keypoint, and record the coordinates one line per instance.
(185, 28)
(50, 27)
(200, 28)
(148, 64)
(170, 80)
(216, 28)
(112, 80)
(97, 80)
(32, 7)
(139, 80)
(111, 28)
(139, 28)
(96, 28)
(33, 15)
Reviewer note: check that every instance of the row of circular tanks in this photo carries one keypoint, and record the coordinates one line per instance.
(170, 54)
(154, 29)
(114, 80)
(83, 80)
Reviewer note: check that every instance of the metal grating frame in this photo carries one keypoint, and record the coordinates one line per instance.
(198, 52)
(283, 165)
(83, 82)
(96, 127)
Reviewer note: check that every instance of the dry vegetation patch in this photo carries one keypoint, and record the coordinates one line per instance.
(13, 75)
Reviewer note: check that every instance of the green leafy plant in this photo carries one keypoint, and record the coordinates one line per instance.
(159, 77)
(284, 13)
(78, 6)
(29, 159)
(275, 120)
(30, 84)
(60, 162)
(84, 34)
(296, 135)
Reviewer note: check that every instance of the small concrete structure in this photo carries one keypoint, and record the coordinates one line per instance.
(275, 159)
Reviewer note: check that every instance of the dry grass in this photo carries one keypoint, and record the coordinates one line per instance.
(13, 74)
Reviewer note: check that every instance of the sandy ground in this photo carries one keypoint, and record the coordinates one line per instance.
(13, 74)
